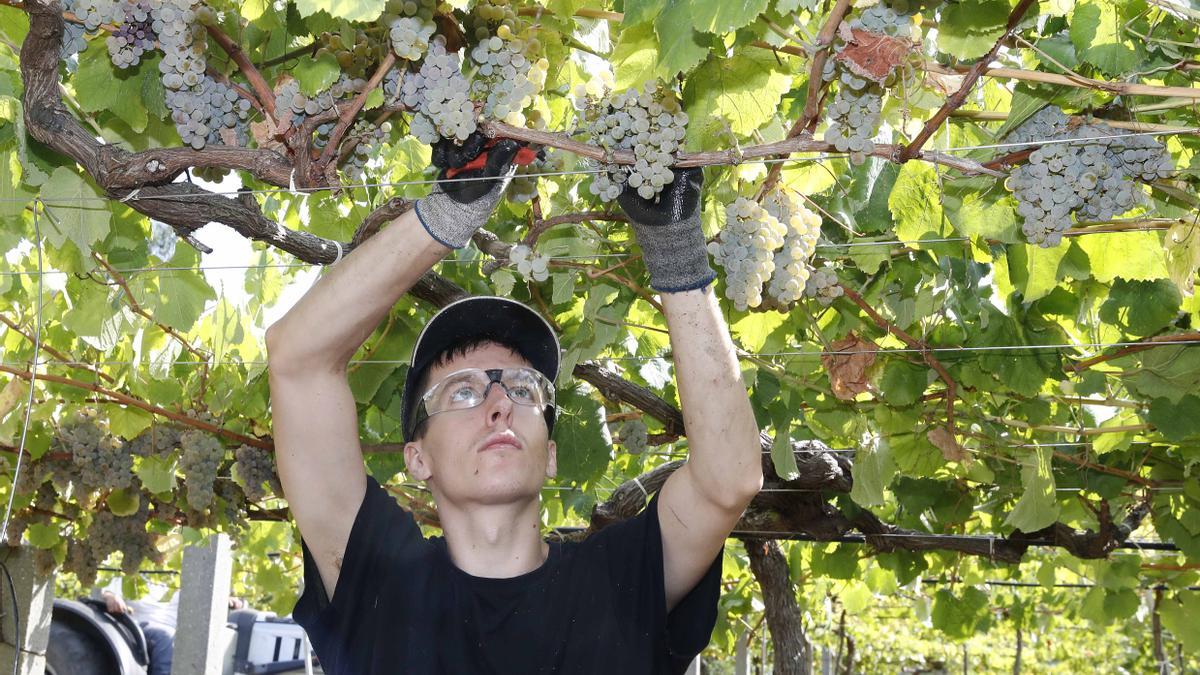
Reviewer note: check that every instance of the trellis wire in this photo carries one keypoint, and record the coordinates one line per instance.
(37, 345)
(546, 174)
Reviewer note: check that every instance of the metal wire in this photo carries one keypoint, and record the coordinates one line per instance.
(37, 345)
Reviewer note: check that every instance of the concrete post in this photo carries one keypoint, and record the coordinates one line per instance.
(203, 607)
(35, 603)
(741, 655)
(694, 668)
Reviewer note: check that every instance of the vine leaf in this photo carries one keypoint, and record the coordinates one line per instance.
(744, 89)
(967, 30)
(872, 471)
(1095, 32)
(1137, 256)
(585, 446)
(101, 87)
(157, 473)
(635, 58)
(1176, 421)
(1183, 256)
(872, 55)
(1179, 616)
(1172, 372)
(723, 16)
(315, 75)
(1037, 508)
(82, 215)
(847, 363)
(350, 10)
(682, 48)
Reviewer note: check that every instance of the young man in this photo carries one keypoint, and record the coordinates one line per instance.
(492, 597)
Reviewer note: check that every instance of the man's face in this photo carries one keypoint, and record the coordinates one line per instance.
(498, 452)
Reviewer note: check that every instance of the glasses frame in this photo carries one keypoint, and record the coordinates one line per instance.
(421, 413)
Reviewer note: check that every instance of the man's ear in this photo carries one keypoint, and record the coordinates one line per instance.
(551, 459)
(414, 460)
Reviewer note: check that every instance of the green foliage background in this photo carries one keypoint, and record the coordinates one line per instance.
(1046, 436)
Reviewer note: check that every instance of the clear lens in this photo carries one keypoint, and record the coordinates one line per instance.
(469, 388)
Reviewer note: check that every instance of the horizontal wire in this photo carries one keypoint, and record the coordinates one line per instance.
(898, 350)
(824, 156)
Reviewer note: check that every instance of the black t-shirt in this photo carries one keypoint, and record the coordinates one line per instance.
(596, 606)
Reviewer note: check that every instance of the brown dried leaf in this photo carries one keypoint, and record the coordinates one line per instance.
(265, 134)
(943, 439)
(872, 55)
(847, 366)
(944, 83)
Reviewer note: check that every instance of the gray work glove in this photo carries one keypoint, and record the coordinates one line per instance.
(668, 229)
(455, 209)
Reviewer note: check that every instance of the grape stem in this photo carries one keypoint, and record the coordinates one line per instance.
(347, 115)
(913, 149)
(266, 97)
(52, 351)
(912, 343)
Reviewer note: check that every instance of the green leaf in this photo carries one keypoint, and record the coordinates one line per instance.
(1183, 255)
(181, 298)
(1170, 371)
(76, 211)
(1033, 270)
(157, 473)
(584, 446)
(1176, 421)
(872, 471)
(392, 353)
(350, 10)
(680, 48)
(1137, 256)
(958, 616)
(43, 535)
(916, 203)
(316, 75)
(967, 30)
(744, 90)
(1037, 507)
(781, 449)
(635, 57)
(124, 502)
(103, 88)
(1096, 33)
(722, 16)
(640, 11)
(976, 209)
(903, 383)
(1179, 616)
(1141, 307)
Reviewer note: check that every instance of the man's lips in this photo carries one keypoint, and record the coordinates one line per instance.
(501, 441)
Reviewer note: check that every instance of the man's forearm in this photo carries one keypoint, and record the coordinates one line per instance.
(328, 325)
(725, 454)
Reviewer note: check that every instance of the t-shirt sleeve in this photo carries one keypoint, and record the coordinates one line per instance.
(384, 540)
(635, 558)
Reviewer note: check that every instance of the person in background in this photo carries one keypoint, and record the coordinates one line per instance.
(157, 620)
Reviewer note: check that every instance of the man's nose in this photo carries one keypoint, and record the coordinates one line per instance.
(498, 404)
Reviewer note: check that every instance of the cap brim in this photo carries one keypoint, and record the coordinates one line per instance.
(503, 320)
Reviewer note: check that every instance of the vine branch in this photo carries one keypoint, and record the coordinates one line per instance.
(913, 149)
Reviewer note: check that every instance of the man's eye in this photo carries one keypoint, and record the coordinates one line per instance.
(463, 394)
(522, 393)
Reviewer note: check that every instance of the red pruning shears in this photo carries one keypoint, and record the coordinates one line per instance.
(524, 156)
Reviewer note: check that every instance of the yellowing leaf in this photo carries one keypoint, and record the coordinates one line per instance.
(1137, 256)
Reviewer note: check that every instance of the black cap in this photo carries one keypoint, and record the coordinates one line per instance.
(501, 320)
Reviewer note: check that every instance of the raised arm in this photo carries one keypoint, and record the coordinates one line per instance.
(702, 501)
(315, 421)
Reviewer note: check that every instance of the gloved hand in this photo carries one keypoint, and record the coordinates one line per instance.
(455, 209)
(669, 232)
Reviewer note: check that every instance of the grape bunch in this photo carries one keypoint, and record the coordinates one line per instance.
(81, 562)
(505, 79)
(289, 99)
(410, 34)
(110, 533)
(652, 124)
(440, 95)
(367, 138)
(791, 261)
(183, 41)
(746, 250)
(199, 461)
(855, 109)
(74, 39)
(156, 441)
(256, 468)
(1090, 175)
(134, 34)
(823, 285)
(102, 461)
(488, 16)
(356, 58)
(209, 113)
(632, 435)
(530, 264)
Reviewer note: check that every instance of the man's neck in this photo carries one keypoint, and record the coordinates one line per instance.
(494, 541)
